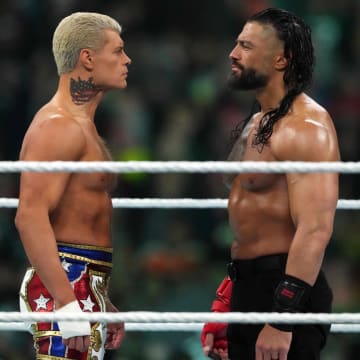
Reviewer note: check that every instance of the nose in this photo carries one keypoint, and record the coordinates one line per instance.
(128, 60)
(234, 54)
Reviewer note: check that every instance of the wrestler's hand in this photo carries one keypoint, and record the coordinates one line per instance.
(115, 331)
(213, 340)
(273, 343)
(79, 343)
(213, 335)
(75, 335)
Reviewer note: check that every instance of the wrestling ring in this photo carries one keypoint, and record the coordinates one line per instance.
(181, 321)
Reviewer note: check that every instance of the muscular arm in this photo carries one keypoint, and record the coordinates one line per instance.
(312, 197)
(312, 202)
(47, 140)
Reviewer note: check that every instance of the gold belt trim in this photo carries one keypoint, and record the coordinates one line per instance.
(86, 247)
(50, 357)
(38, 334)
(85, 259)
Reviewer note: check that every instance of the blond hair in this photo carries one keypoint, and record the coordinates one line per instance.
(78, 31)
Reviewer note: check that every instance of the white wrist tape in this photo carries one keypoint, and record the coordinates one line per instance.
(70, 329)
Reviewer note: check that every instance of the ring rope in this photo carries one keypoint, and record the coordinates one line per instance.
(180, 166)
(342, 320)
(148, 316)
(185, 203)
(190, 327)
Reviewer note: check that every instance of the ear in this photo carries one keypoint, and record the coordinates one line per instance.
(86, 59)
(281, 62)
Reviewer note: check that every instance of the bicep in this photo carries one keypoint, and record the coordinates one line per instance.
(42, 189)
(313, 198)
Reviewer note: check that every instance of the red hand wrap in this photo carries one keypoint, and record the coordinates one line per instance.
(223, 295)
(220, 304)
(219, 331)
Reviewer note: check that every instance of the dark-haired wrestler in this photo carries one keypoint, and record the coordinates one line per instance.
(64, 219)
(282, 223)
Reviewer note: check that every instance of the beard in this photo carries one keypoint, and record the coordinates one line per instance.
(249, 79)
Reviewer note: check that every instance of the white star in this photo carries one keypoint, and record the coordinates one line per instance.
(88, 304)
(66, 265)
(41, 302)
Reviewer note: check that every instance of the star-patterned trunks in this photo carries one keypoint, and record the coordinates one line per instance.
(88, 269)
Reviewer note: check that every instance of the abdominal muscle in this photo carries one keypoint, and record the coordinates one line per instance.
(260, 221)
(83, 217)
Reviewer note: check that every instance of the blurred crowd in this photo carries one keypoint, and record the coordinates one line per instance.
(176, 107)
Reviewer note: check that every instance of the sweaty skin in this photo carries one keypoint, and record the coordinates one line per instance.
(286, 213)
(68, 207)
(280, 213)
(81, 208)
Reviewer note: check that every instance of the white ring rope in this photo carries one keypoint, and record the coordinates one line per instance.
(194, 317)
(180, 166)
(185, 203)
(152, 321)
(144, 321)
(191, 327)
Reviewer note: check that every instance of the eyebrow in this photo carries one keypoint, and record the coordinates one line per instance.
(119, 47)
(244, 42)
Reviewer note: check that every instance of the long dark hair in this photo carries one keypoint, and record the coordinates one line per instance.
(299, 52)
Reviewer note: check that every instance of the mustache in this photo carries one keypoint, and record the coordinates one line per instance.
(236, 64)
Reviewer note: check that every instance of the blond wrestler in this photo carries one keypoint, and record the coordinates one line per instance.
(64, 219)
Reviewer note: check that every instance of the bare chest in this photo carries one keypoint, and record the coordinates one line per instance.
(97, 181)
(245, 150)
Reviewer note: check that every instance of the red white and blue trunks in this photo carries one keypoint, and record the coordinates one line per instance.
(88, 269)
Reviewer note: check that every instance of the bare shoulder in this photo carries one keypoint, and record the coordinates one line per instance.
(53, 135)
(307, 133)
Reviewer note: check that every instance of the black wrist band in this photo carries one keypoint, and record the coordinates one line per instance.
(290, 296)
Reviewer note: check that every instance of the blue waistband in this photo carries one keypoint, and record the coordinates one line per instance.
(86, 252)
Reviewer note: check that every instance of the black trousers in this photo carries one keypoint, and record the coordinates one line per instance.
(254, 283)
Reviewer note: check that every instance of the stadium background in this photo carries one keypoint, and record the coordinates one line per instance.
(176, 107)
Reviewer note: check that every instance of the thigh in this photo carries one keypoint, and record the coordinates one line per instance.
(251, 294)
(48, 345)
(241, 344)
(243, 353)
(307, 343)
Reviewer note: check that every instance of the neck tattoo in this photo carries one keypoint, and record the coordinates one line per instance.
(82, 91)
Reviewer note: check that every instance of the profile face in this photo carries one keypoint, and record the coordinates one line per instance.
(252, 59)
(111, 63)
